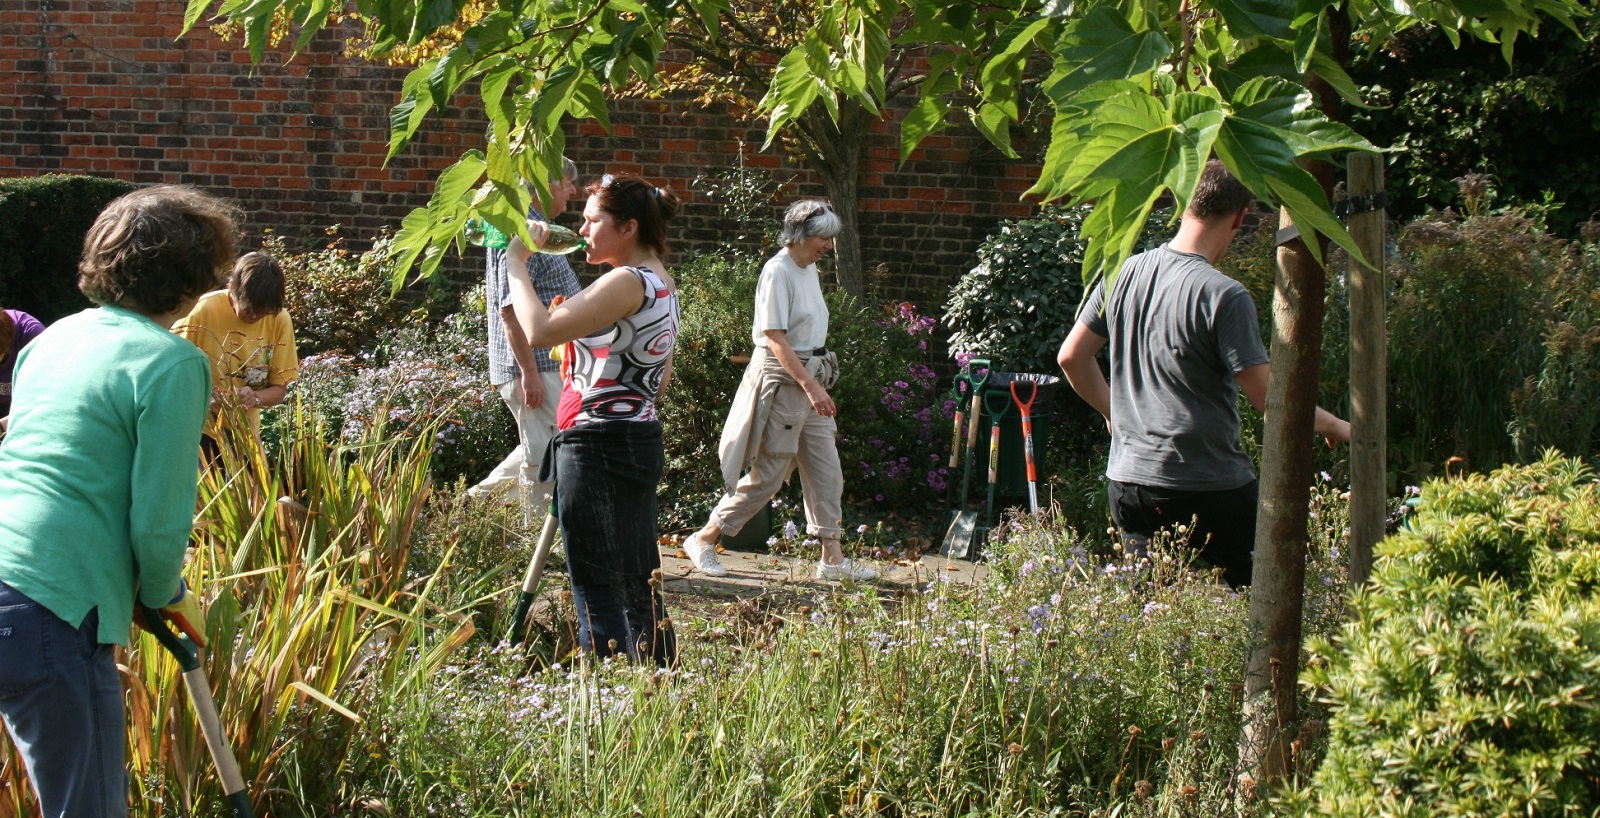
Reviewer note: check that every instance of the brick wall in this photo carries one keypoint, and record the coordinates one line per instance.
(103, 87)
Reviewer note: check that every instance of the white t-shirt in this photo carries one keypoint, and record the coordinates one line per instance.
(789, 297)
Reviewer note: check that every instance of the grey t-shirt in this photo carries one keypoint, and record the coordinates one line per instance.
(1178, 331)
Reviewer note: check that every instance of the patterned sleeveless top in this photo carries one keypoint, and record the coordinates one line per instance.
(616, 373)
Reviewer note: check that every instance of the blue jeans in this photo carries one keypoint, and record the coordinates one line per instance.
(62, 700)
(630, 619)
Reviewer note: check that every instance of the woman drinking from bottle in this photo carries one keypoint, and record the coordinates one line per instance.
(616, 339)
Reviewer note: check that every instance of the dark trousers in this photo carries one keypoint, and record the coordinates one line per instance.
(630, 619)
(606, 475)
(1223, 523)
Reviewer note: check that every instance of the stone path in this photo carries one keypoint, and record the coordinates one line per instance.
(752, 574)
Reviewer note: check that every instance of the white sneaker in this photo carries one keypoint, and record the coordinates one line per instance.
(847, 570)
(704, 556)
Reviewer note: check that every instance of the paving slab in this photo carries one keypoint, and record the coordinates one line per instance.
(754, 574)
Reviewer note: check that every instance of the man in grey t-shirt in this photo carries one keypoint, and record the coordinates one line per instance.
(1183, 341)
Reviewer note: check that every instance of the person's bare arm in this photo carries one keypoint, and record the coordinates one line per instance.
(1077, 361)
(261, 398)
(532, 385)
(778, 345)
(613, 297)
(1253, 380)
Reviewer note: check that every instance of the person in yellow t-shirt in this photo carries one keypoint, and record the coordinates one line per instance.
(248, 337)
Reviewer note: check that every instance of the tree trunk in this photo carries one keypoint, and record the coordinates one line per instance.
(1278, 579)
(835, 154)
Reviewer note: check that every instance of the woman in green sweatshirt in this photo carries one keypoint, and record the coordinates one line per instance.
(97, 489)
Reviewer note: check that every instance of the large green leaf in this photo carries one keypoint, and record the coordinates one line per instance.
(1250, 19)
(1262, 141)
(1138, 150)
(793, 90)
(407, 116)
(192, 14)
(1103, 46)
(1070, 128)
(1289, 111)
(929, 114)
(426, 232)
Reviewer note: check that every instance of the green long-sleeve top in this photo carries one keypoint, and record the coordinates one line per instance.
(97, 472)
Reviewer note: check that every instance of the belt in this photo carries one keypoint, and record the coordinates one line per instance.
(819, 351)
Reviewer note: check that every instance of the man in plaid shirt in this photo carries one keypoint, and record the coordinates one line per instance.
(529, 382)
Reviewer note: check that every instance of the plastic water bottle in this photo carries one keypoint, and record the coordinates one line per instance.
(558, 241)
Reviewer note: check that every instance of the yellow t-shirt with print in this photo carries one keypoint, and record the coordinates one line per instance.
(256, 355)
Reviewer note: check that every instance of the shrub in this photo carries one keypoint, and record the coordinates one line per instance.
(339, 301)
(716, 295)
(888, 406)
(1476, 301)
(894, 426)
(42, 223)
(1464, 682)
(422, 377)
(1017, 305)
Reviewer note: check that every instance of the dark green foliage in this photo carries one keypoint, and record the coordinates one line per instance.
(1465, 682)
(1454, 110)
(716, 294)
(339, 301)
(1490, 317)
(42, 223)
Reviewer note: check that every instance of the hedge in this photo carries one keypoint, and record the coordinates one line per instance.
(42, 223)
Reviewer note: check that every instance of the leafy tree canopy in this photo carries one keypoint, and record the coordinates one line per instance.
(1142, 92)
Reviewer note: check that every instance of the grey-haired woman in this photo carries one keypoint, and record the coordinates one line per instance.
(783, 417)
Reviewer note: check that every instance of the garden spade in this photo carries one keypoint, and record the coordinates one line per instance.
(530, 582)
(962, 386)
(958, 537)
(205, 709)
(1026, 408)
(989, 510)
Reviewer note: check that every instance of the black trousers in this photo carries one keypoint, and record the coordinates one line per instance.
(1223, 523)
(606, 475)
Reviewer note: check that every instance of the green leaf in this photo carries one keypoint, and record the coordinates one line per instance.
(500, 108)
(312, 18)
(929, 116)
(446, 76)
(1288, 110)
(434, 15)
(1250, 19)
(995, 124)
(1264, 161)
(425, 232)
(793, 90)
(1002, 73)
(1137, 151)
(192, 14)
(407, 116)
(1100, 47)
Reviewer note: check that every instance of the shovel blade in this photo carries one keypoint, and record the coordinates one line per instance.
(958, 540)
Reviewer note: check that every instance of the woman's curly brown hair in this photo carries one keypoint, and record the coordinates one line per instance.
(157, 247)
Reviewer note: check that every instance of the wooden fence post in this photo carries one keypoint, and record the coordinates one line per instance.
(1369, 359)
